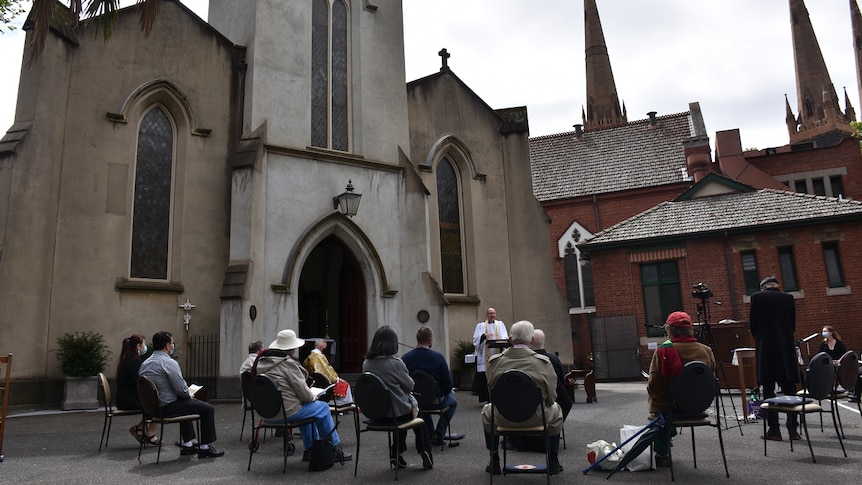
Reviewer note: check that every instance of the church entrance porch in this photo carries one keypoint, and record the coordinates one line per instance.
(332, 304)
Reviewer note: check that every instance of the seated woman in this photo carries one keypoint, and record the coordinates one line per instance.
(279, 364)
(832, 343)
(131, 357)
(317, 362)
(382, 362)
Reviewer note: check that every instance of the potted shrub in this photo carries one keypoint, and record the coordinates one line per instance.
(463, 372)
(81, 355)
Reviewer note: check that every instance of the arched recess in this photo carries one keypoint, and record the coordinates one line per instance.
(353, 238)
(163, 91)
(578, 269)
(459, 156)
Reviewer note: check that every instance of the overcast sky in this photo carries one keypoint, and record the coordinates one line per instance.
(733, 56)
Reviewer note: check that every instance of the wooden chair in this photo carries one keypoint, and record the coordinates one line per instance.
(267, 402)
(4, 395)
(694, 391)
(148, 395)
(374, 398)
(588, 378)
(110, 412)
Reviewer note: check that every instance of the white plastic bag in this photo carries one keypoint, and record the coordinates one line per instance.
(641, 462)
(598, 449)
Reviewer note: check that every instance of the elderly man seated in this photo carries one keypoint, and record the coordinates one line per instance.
(540, 369)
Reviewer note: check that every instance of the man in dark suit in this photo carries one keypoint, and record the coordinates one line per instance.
(563, 398)
(539, 368)
(772, 321)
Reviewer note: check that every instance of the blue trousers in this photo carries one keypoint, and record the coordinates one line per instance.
(445, 419)
(322, 425)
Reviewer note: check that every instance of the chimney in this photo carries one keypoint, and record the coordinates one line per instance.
(579, 132)
(652, 120)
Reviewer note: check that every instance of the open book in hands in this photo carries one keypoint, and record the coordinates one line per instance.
(193, 389)
(319, 392)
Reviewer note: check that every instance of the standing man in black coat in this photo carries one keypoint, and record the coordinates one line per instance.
(772, 322)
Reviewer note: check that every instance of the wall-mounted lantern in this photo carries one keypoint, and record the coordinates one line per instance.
(348, 201)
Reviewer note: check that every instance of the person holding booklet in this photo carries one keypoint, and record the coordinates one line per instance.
(300, 401)
(176, 398)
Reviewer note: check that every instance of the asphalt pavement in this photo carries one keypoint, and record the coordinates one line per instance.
(62, 447)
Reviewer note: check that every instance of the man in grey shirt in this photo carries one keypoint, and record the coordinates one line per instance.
(175, 400)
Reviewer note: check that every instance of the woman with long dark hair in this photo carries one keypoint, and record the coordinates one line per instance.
(382, 362)
(131, 357)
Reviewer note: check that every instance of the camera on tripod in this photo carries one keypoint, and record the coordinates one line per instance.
(701, 291)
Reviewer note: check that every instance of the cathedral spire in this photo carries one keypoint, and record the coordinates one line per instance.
(817, 102)
(603, 103)
(856, 22)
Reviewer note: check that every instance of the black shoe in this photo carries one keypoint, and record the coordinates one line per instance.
(662, 461)
(400, 462)
(555, 468)
(210, 452)
(772, 435)
(494, 468)
(853, 399)
(427, 460)
(340, 455)
(188, 450)
(306, 455)
(794, 435)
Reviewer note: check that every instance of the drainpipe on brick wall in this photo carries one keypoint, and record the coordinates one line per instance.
(730, 285)
(596, 210)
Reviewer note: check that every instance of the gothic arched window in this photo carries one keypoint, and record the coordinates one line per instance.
(329, 75)
(449, 212)
(151, 219)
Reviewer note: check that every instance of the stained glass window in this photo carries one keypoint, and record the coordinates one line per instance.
(151, 219)
(330, 110)
(319, 73)
(449, 210)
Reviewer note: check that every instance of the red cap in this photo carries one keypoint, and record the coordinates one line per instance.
(679, 319)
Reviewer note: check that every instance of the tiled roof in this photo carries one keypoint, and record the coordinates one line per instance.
(633, 156)
(734, 212)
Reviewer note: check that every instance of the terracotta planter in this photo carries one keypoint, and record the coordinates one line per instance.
(80, 393)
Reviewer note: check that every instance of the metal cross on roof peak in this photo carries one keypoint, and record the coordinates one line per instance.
(444, 55)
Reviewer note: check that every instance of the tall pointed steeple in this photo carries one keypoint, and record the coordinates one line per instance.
(817, 102)
(603, 104)
(856, 22)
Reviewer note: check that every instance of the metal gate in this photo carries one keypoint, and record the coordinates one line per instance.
(203, 363)
(615, 347)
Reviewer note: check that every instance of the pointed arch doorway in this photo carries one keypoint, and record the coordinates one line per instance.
(333, 303)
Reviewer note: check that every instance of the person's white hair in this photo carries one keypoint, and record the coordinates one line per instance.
(538, 340)
(522, 332)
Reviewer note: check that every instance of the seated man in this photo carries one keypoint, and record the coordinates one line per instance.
(680, 348)
(175, 399)
(299, 402)
(563, 398)
(433, 362)
(539, 368)
(253, 350)
(317, 362)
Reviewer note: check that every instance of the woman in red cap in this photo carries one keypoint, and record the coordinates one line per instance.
(680, 348)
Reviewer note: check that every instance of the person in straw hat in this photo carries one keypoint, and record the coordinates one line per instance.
(279, 363)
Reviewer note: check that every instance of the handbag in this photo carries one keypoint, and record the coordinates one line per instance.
(322, 453)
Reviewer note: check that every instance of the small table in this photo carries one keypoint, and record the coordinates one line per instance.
(741, 357)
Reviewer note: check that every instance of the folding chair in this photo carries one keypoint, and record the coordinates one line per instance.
(336, 407)
(694, 391)
(515, 397)
(267, 402)
(148, 395)
(374, 398)
(244, 382)
(4, 395)
(819, 381)
(427, 392)
(110, 412)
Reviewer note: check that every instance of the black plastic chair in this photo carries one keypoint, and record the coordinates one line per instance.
(267, 402)
(694, 391)
(819, 382)
(427, 392)
(244, 382)
(374, 398)
(148, 395)
(515, 396)
(336, 407)
(846, 374)
(110, 412)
